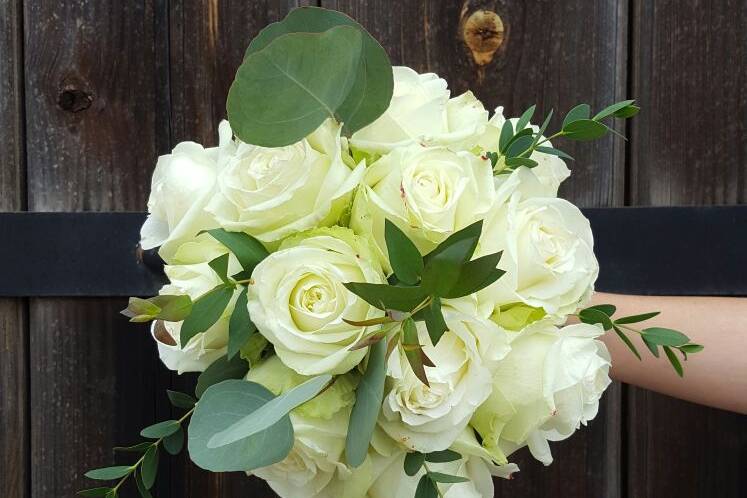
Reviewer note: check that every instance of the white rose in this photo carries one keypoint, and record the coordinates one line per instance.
(421, 112)
(429, 193)
(544, 389)
(194, 277)
(182, 185)
(541, 181)
(475, 465)
(314, 467)
(274, 192)
(548, 254)
(426, 418)
(298, 300)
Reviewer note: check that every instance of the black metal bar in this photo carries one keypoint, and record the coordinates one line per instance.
(641, 250)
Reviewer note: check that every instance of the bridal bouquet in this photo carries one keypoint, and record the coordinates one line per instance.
(373, 278)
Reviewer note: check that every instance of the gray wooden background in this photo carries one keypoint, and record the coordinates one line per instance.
(92, 91)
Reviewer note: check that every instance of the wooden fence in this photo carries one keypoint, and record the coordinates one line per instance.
(92, 91)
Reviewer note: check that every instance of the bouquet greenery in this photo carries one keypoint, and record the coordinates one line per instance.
(374, 279)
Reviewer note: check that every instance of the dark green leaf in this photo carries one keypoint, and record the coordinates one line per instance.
(525, 118)
(476, 275)
(627, 341)
(372, 91)
(594, 316)
(521, 145)
(149, 468)
(108, 473)
(627, 112)
(413, 463)
(446, 478)
(426, 488)
(173, 444)
(515, 162)
(181, 400)
(525, 133)
(270, 413)
(404, 257)
(538, 136)
(220, 266)
(651, 346)
(553, 151)
(220, 370)
(240, 326)
(443, 456)
(94, 492)
(248, 250)
(581, 111)
(365, 413)
(386, 297)
(674, 361)
(434, 320)
(636, 318)
(443, 264)
(607, 309)
(585, 129)
(665, 337)
(161, 429)
(413, 350)
(221, 406)
(136, 448)
(205, 312)
(310, 74)
(507, 132)
(610, 110)
(470, 232)
(144, 493)
(691, 348)
(173, 308)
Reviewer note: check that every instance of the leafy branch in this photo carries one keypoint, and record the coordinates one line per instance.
(653, 337)
(169, 434)
(516, 145)
(418, 283)
(428, 484)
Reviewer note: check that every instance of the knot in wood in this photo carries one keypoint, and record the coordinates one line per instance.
(483, 32)
(74, 99)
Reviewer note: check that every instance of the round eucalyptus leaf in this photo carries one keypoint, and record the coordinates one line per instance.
(285, 91)
(221, 406)
(372, 91)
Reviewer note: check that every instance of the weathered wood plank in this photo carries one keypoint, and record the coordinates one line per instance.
(207, 44)
(14, 422)
(689, 72)
(555, 54)
(95, 115)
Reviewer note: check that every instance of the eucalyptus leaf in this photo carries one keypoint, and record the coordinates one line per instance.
(470, 232)
(371, 93)
(426, 488)
(386, 297)
(434, 320)
(181, 400)
(240, 325)
(206, 310)
(636, 318)
(365, 413)
(94, 492)
(404, 256)
(220, 266)
(581, 111)
(626, 340)
(627, 112)
(525, 118)
(665, 337)
(610, 110)
(443, 456)
(515, 162)
(507, 132)
(476, 275)
(286, 90)
(653, 347)
(144, 492)
(585, 129)
(607, 309)
(270, 413)
(413, 463)
(595, 316)
(173, 444)
(691, 348)
(248, 250)
(446, 478)
(674, 361)
(413, 350)
(553, 152)
(220, 370)
(161, 429)
(538, 136)
(109, 473)
(520, 146)
(221, 406)
(149, 467)
(135, 448)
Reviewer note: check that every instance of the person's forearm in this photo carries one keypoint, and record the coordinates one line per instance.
(716, 376)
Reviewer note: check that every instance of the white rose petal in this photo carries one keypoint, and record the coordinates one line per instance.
(298, 301)
(271, 193)
(421, 112)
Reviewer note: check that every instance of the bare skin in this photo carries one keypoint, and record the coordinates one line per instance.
(716, 376)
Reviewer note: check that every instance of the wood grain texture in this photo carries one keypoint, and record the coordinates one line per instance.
(95, 81)
(689, 72)
(207, 44)
(14, 427)
(545, 47)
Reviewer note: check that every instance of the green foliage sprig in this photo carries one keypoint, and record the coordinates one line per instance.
(516, 145)
(428, 484)
(653, 337)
